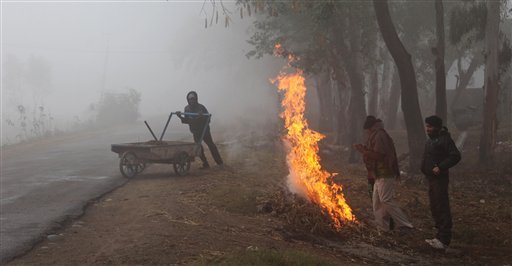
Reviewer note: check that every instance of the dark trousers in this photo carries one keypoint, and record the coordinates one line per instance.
(213, 148)
(440, 207)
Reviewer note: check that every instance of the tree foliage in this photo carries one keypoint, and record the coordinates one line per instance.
(467, 23)
(117, 108)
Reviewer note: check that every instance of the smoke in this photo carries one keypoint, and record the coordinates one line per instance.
(293, 181)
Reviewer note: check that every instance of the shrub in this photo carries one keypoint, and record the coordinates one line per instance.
(118, 108)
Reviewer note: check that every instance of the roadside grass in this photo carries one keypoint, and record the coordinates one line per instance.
(238, 199)
(269, 257)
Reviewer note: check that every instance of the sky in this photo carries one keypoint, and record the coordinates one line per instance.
(161, 49)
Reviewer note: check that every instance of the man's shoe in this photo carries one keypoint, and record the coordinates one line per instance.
(436, 243)
(204, 167)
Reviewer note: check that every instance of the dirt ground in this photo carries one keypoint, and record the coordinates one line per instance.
(241, 214)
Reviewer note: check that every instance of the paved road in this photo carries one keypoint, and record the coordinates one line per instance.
(44, 183)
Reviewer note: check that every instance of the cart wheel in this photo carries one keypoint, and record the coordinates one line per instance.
(129, 165)
(182, 164)
(141, 167)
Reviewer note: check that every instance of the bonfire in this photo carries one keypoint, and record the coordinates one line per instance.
(306, 176)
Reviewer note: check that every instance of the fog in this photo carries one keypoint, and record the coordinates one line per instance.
(160, 49)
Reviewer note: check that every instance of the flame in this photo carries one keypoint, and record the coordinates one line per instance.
(278, 50)
(306, 177)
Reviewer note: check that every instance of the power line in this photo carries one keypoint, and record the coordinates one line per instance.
(78, 50)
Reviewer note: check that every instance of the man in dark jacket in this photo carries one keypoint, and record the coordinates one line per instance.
(440, 155)
(197, 126)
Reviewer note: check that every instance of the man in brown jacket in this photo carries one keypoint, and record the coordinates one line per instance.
(380, 158)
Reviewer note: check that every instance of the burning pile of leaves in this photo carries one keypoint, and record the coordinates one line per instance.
(300, 215)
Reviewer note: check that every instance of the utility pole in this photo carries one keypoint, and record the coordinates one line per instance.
(105, 67)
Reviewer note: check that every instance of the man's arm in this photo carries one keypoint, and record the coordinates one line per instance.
(185, 119)
(203, 110)
(372, 155)
(453, 155)
(368, 154)
(423, 161)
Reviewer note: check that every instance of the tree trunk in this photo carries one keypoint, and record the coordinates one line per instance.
(385, 87)
(356, 111)
(342, 95)
(464, 78)
(357, 105)
(326, 102)
(488, 137)
(373, 95)
(394, 100)
(409, 91)
(439, 63)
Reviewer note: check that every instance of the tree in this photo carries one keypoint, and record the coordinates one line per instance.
(438, 51)
(466, 34)
(409, 93)
(12, 79)
(393, 101)
(325, 98)
(488, 138)
(314, 32)
(117, 108)
(468, 21)
(349, 54)
(38, 77)
(373, 89)
(464, 77)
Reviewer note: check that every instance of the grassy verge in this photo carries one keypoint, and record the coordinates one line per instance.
(254, 256)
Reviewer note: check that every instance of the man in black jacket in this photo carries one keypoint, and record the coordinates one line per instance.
(440, 155)
(197, 126)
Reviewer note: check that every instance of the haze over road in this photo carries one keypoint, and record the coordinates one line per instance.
(45, 182)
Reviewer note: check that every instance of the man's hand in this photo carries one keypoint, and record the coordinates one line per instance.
(178, 113)
(359, 147)
(436, 170)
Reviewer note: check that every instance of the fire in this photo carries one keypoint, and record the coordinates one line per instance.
(306, 176)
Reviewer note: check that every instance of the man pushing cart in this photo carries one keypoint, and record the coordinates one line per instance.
(135, 156)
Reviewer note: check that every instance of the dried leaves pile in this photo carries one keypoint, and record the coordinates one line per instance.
(300, 215)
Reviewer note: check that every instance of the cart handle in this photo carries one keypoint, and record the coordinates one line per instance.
(165, 128)
(184, 113)
(150, 130)
(191, 114)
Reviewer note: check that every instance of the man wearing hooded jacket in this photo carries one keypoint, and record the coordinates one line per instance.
(379, 155)
(440, 155)
(197, 124)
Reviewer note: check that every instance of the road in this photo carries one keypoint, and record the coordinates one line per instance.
(45, 183)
